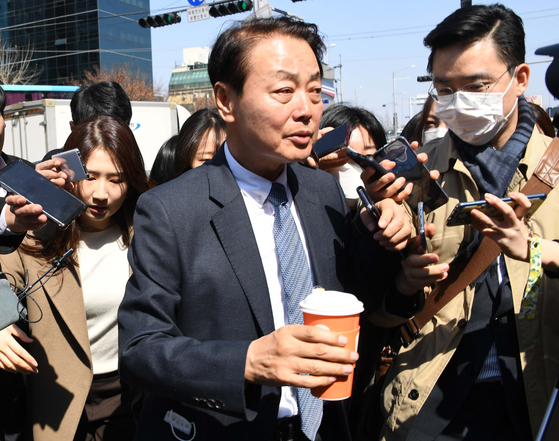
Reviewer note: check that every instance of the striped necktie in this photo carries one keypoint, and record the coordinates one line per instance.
(297, 284)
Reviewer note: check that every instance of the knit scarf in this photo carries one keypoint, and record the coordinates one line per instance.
(492, 169)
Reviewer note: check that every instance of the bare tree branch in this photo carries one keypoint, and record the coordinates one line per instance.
(15, 65)
(129, 77)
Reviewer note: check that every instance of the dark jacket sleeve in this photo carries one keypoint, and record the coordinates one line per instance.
(154, 354)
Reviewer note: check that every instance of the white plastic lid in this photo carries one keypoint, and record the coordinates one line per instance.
(332, 303)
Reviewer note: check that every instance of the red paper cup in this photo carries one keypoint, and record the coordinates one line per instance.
(338, 312)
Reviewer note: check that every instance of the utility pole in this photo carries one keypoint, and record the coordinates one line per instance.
(395, 116)
(341, 80)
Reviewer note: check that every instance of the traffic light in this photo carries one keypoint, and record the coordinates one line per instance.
(231, 8)
(157, 21)
(424, 78)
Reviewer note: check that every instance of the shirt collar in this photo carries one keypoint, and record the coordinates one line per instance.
(251, 184)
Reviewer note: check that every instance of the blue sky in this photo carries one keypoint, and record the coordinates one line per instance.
(374, 38)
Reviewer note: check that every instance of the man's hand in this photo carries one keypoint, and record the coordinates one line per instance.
(279, 358)
(396, 189)
(419, 269)
(21, 217)
(13, 358)
(394, 229)
(49, 169)
(511, 234)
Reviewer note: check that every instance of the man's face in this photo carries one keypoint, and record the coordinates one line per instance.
(458, 65)
(275, 120)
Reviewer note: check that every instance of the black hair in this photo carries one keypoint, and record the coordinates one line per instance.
(410, 129)
(194, 133)
(113, 136)
(474, 23)
(542, 120)
(105, 98)
(164, 165)
(230, 58)
(2, 101)
(340, 114)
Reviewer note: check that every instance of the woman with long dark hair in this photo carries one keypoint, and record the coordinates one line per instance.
(74, 391)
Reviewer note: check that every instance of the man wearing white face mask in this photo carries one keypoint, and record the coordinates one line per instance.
(480, 369)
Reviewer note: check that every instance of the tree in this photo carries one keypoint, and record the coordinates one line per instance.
(15, 65)
(130, 79)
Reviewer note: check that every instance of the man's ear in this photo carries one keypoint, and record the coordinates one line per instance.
(72, 126)
(224, 99)
(522, 78)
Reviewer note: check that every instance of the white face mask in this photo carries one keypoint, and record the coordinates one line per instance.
(475, 118)
(349, 177)
(431, 134)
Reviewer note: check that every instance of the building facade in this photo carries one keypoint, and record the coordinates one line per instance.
(71, 37)
(190, 83)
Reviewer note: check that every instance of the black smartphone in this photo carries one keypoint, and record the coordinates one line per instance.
(368, 204)
(58, 205)
(461, 215)
(425, 189)
(72, 165)
(425, 244)
(366, 161)
(333, 140)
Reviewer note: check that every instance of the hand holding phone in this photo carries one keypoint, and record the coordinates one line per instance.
(407, 166)
(425, 244)
(58, 205)
(461, 215)
(72, 164)
(368, 204)
(330, 142)
(366, 161)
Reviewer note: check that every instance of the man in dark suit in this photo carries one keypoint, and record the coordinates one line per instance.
(205, 325)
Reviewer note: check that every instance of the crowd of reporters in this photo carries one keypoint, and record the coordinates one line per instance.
(461, 378)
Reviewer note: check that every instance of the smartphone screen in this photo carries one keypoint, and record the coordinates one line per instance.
(72, 165)
(58, 205)
(330, 142)
(425, 189)
(461, 215)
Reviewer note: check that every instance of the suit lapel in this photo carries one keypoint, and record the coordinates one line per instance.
(234, 230)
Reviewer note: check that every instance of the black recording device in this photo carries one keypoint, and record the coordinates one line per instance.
(366, 161)
(58, 205)
(407, 165)
(333, 140)
(368, 204)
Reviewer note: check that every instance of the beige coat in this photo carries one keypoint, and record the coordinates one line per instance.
(420, 365)
(56, 395)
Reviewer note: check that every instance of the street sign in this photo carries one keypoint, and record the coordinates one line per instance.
(195, 2)
(198, 13)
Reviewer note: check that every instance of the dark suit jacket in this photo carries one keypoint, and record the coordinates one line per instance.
(9, 244)
(198, 297)
(12, 398)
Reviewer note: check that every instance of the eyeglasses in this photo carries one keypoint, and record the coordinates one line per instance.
(478, 87)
